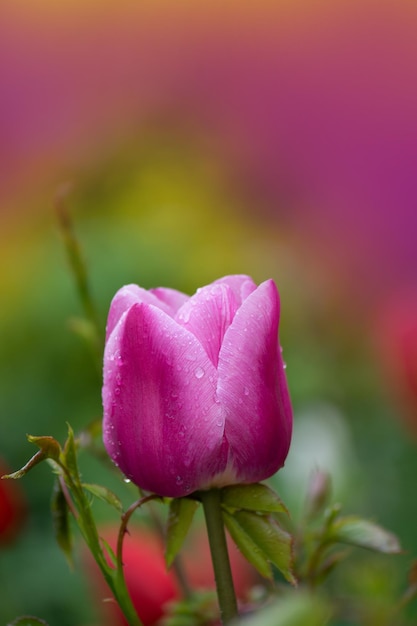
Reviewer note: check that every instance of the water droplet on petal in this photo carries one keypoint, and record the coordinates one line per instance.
(246, 391)
(179, 480)
(199, 372)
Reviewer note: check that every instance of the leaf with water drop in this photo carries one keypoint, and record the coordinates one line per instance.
(181, 513)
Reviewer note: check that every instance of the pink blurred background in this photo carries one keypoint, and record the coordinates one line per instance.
(311, 105)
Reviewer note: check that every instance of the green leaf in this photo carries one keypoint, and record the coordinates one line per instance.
(364, 534)
(49, 449)
(274, 541)
(110, 552)
(27, 620)
(69, 456)
(48, 445)
(247, 546)
(104, 494)
(60, 520)
(293, 609)
(256, 497)
(181, 513)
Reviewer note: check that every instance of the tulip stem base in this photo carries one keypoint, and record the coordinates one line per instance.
(219, 554)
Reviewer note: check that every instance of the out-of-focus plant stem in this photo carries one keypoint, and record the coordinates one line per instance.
(79, 270)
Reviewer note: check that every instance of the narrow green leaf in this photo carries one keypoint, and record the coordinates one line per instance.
(69, 456)
(274, 541)
(247, 546)
(256, 497)
(181, 513)
(60, 521)
(364, 534)
(110, 552)
(104, 494)
(27, 620)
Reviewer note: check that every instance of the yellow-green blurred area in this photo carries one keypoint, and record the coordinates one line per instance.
(275, 139)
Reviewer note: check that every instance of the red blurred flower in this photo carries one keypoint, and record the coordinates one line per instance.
(12, 507)
(149, 583)
(397, 343)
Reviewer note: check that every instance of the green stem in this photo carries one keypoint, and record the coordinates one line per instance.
(219, 554)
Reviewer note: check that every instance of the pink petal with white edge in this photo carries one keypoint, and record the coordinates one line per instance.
(162, 424)
(252, 385)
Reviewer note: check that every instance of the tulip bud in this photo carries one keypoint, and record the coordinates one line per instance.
(318, 492)
(195, 394)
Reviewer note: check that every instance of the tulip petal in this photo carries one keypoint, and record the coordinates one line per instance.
(241, 284)
(163, 425)
(171, 297)
(208, 314)
(252, 385)
(125, 298)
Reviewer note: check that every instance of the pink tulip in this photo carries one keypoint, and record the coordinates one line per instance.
(195, 394)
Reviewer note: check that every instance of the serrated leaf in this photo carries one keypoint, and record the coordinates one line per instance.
(60, 521)
(364, 534)
(247, 546)
(104, 494)
(274, 541)
(255, 497)
(181, 513)
(27, 620)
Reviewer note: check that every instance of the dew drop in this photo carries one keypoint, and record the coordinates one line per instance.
(199, 372)
(127, 480)
(246, 391)
(179, 480)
